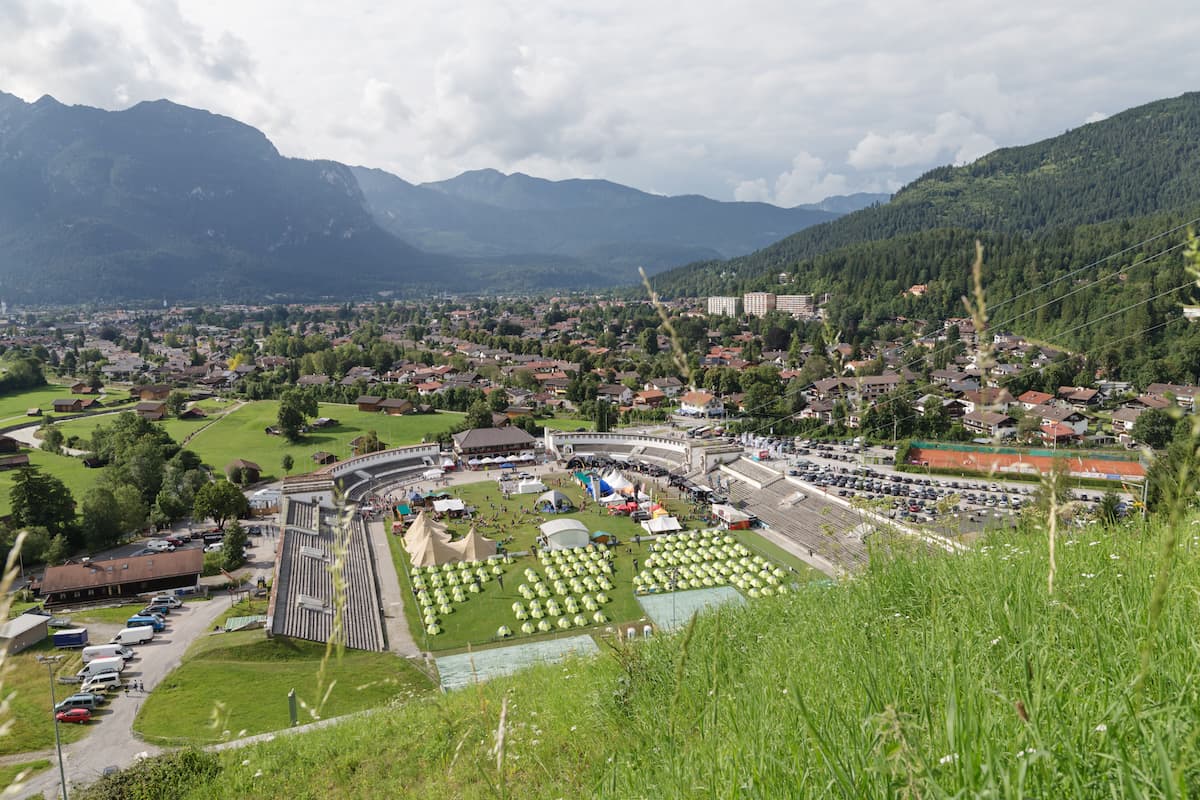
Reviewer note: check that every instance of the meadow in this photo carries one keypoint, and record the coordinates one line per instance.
(240, 433)
(236, 684)
(927, 676)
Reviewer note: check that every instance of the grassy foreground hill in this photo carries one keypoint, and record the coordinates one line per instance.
(926, 677)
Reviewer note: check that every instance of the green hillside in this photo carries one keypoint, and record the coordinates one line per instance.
(929, 676)
(1139, 162)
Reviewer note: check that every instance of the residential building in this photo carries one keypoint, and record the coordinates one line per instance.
(757, 304)
(723, 306)
(102, 581)
(990, 423)
(701, 404)
(798, 305)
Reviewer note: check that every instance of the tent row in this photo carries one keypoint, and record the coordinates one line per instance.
(429, 544)
(502, 460)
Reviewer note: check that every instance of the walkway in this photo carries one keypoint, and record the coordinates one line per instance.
(391, 596)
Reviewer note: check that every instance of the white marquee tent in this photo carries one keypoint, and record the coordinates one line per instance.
(562, 534)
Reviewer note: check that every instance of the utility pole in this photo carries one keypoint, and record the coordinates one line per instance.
(50, 661)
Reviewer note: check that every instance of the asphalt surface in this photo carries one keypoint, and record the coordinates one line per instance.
(112, 742)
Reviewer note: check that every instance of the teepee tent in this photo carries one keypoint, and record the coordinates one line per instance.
(476, 547)
(431, 551)
(618, 482)
(424, 528)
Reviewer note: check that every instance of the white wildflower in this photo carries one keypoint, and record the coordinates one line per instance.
(1101, 728)
(995, 641)
(949, 758)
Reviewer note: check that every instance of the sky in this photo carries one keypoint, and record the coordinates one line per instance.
(783, 102)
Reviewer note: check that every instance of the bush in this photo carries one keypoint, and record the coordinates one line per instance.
(213, 563)
(162, 778)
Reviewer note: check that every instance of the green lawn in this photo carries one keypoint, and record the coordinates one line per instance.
(14, 406)
(568, 424)
(236, 684)
(476, 621)
(68, 469)
(29, 710)
(9, 772)
(115, 615)
(241, 434)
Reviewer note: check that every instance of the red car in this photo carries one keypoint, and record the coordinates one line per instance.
(74, 715)
(173, 540)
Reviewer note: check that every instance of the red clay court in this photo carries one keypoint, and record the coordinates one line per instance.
(1005, 460)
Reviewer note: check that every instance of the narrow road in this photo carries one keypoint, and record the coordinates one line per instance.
(113, 743)
(391, 596)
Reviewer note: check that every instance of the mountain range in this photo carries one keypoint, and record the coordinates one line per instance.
(162, 200)
(1141, 161)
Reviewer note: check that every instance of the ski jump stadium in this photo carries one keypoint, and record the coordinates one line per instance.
(824, 531)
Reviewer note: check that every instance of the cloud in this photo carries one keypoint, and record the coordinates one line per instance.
(716, 101)
(1095, 116)
(952, 133)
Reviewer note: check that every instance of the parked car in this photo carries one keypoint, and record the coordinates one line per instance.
(174, 541)
(215, 547)
(74, 715)
(166, 600)
(160, 546)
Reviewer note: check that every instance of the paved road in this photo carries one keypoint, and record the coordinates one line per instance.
(113, 742)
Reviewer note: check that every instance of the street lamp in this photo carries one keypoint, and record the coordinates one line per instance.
(50, 661)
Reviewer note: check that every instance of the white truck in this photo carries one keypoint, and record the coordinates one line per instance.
(100, 665)
(92, 652)
(136, 635)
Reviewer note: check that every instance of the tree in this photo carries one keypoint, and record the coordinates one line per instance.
(1107, 511)
(603, 416)
(175, 402)
(220, 500)
(478, 416)
(233, 551)
(287, 462)
(58, 550)
(52, 440)
(1154, 428)
(40, 499)
(498, 400)
(101, 519)
(295, 407)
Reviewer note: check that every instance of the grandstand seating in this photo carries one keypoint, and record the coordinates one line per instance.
(304, 603)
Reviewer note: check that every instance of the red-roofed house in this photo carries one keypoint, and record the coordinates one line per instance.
(701, 404)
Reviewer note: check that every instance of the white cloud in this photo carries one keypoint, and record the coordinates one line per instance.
(952, 132)
(755, 191)
(716, 101)
(1095, 116)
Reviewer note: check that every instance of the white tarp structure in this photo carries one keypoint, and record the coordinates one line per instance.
(554, 499)
(663, 524)
(618, 482)
(563, 534)
(530, 487)
(431, 474)
(451, 504)
(613, 499)
(476, 547)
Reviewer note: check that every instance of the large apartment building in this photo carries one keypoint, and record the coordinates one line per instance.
(798, 305)
(757, 304)
(723, 306)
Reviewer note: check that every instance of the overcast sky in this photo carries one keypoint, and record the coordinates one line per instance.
(780, 101)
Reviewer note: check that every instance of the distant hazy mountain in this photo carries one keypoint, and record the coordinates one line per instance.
(161, 200)
(595, 224)
(848, 203)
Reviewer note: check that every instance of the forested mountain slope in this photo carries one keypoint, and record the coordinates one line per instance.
(1141, 161)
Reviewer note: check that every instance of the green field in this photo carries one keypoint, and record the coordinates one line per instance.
(9, 772)
(236, 684)
(476, 621)
(241, 434)
(68, 469)
(27, 680)
(14, 406)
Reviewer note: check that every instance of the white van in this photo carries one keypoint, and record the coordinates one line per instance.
(99, 665)
(166, 600)
(135, 635)
(102, 682)
(106, 651)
